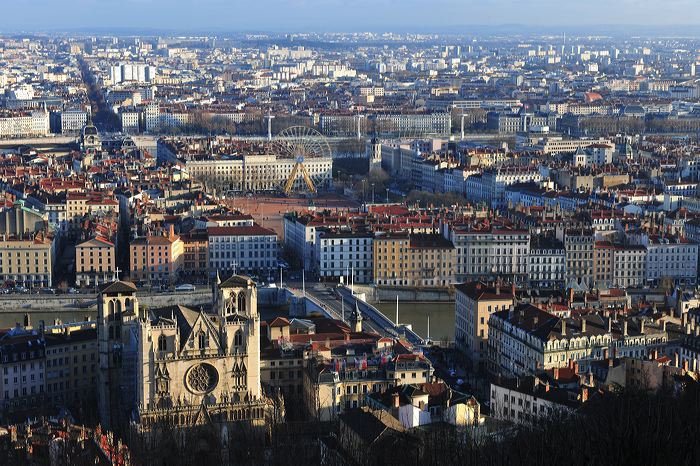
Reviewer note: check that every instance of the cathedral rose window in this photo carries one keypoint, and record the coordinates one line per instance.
(202, 378)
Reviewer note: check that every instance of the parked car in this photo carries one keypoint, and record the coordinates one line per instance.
(185, 287)
(72, 291)
(47, 291)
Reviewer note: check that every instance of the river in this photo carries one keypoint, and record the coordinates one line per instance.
(9, 319)
(442, 317)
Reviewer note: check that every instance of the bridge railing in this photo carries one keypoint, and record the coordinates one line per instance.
(377, 316)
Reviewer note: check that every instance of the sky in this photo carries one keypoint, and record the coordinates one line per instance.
(341, 15)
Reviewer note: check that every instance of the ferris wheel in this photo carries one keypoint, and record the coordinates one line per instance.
(300, 143)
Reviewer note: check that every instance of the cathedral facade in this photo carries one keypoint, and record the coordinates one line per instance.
(176, 367)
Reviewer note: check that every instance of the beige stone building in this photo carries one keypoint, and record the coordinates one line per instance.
(474, 304)
(342, 379)
(177, 364)
(156, 258)
(95, 262)
(603, 253)
(27, 260)
(72, 367)
(418, 260)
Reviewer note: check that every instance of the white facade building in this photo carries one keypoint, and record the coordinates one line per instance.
(344, 254)
(242, 249)
(486, 254)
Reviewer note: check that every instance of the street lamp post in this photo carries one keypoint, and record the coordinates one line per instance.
(387, 195)
(359, 118)
(372, 193)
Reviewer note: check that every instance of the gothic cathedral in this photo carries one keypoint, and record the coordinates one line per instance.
(180, 366)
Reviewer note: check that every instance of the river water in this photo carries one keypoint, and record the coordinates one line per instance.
(442, 317)
(9, 319)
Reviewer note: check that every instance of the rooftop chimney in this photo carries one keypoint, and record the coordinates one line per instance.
(583, 325)
(563, 327)
(624, 328)
(395, 400)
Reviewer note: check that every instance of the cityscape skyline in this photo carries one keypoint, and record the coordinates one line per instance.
(226, 239)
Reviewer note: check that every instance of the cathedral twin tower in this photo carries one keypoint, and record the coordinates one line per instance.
(178, 366)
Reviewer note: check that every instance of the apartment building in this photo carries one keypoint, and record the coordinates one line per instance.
(524, 400)
(474, 303)
(72, 366)
(22, 387)
(342, 380)
(80, 204)
(27, 259)
(526, 339)
(486, 251)
(506, 123)
(579, 245)
(670, 258)
(555, 145)
(390, 260)
(300, 237)
(95, 262)
(344, 254)
(156, 259)
(629, 265)
(18, 124)
(603, 264)
(242, 249)
(195, 245)
(73, 120)
(422, 260)
(546, 262)
(432, 259)
(491, 186)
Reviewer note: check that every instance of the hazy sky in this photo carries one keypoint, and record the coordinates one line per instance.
(337, 15)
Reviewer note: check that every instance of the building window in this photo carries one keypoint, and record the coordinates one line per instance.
(162, 343)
